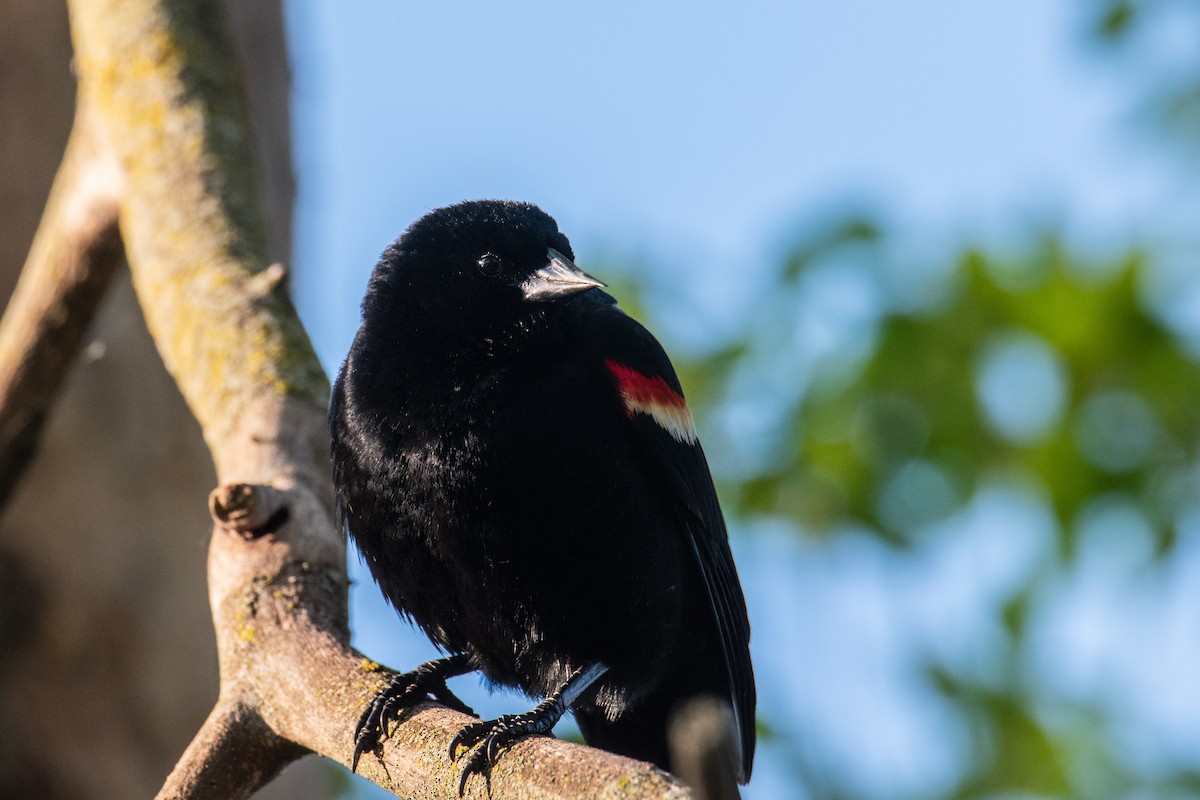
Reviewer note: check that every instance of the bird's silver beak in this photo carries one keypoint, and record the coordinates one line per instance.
(559, 278)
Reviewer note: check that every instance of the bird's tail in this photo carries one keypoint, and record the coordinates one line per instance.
(640, 732)
(644, 732)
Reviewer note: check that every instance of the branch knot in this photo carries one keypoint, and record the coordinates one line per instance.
(249, 510)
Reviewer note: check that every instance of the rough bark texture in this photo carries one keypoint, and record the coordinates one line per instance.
(161, 76)
(104, 624)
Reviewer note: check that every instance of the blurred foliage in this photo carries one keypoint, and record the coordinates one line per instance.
(911, 417)
(898, 439)
(1156, 38)
(908, 439)
(893, 391)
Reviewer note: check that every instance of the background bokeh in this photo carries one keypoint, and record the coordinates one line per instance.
(930, 272)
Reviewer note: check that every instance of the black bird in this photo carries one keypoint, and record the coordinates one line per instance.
(515, 460)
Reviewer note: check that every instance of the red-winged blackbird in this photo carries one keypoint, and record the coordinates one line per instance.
(514, 458)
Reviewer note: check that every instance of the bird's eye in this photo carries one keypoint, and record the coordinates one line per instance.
(490, 265)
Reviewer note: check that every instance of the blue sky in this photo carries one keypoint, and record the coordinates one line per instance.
(695, 139)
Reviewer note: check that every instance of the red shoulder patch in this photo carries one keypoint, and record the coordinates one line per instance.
(650, 395)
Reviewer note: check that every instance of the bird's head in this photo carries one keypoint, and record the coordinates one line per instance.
(474, 267)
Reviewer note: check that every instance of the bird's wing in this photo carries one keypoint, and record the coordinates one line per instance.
(337, 404)
(645, 383)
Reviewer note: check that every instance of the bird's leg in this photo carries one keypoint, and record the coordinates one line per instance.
(498, 733)
(405, 691)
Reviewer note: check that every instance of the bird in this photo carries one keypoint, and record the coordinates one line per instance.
(514, 458)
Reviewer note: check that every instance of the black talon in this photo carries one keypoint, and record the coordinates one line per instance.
(476, 765)
(498, 734)
(405, 691)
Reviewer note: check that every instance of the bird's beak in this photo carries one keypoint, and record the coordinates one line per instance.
(559, 278)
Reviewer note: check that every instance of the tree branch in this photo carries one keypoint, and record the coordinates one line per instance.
(231, 757)
(161, 75)
(74, 256)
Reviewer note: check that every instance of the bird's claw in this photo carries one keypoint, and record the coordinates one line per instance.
(477, 764)
(495, 735)
(403, 692)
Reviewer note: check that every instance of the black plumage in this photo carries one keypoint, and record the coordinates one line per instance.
(514, 459)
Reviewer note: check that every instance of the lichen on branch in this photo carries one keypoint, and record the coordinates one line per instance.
(164, 77)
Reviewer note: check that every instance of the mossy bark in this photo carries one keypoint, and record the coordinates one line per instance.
(162, 74)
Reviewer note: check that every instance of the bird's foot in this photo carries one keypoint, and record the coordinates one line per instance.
(405, 691)
(497, 734)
